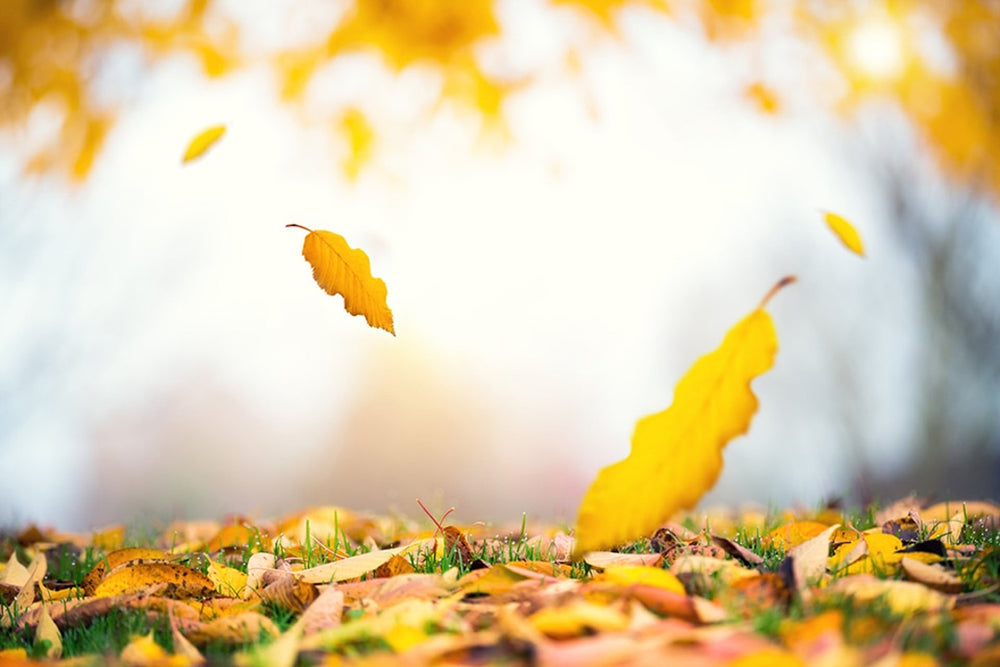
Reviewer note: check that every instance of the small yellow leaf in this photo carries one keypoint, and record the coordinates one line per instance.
(202, 142)
(341, 269)
(677, 454)
(228, 581)
(846, 232)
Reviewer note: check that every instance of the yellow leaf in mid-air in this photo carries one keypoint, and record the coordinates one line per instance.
(676, 454)
(341, 269)
(202, 142)
(846, 232)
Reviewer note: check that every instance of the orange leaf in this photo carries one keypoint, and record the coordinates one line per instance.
(677, 454)
(341, 269)
(846, 232)
(202, 142)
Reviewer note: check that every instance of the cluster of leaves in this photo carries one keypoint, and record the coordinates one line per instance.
(53, 53)
(910, 584)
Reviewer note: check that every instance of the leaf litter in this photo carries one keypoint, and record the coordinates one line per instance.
(840, 595)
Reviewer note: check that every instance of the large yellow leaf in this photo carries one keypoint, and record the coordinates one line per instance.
(341, 269)
(677, 454)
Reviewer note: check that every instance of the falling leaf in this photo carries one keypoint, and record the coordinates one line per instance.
(341, 269)
(202, 142)
(846, 232)
(763, 96)
(677, 454)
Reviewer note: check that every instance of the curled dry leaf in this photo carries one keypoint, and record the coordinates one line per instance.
(809, 560)
(934, 576)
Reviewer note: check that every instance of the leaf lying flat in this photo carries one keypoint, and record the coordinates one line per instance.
(341, 269)
(677, 454)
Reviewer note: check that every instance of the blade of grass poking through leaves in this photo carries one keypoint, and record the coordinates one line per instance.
(202, 142)
(846, 232)
(676, 454)
(341, 269)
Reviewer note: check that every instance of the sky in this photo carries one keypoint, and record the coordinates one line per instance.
(166, 353)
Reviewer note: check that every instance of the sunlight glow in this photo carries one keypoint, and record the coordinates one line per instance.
(876, 48)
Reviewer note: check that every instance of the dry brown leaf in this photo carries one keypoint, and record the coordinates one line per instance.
(934, 576)
(233, 630)
(325, 611)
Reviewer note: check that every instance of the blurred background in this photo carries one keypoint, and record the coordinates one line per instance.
(569, 201)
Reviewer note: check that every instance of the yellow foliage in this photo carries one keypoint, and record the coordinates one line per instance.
(677, 454)
(407, 31)
(341, 269)
(360, 137)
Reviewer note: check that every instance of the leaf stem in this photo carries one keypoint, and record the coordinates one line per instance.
(784, 282)
(292, 224)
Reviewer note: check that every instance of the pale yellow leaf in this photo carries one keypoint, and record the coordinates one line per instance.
(355, 566)
(809, 559)
(202, 142)
(846, 232)
(46, 630)
(677, 454)
(341, 269)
